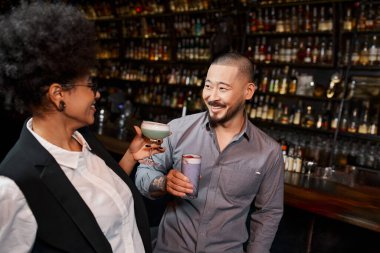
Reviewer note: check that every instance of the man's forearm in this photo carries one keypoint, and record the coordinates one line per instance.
(158, 187)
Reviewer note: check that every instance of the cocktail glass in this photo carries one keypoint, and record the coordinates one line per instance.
(156, 132)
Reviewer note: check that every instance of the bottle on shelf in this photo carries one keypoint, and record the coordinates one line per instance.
(374, 123)
(308, 120)
(353, 123)
(253, 111)
(364, 124)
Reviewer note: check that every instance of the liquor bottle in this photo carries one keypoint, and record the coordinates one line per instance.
(307, 19)
(276, 84)
(293, 83)
(294, 51)
(278, 113)
(329, 53)
(326, 117)
(373, 126)
(259, 110)
(280, 26)
(262, 49)
(297, 114)
(364, 54)
(322, 25)
(284, 82)
(294, 20)
(309, 46)
(266, 21)
(329, 19)
(297, 167)
(268, 54)
(284, 119)
(271, 109)
(318, 123)
(301, 54)
(314, 19)
(344, 120)
(287, 27)
(353, 124)
(288, 50)
(361, 26)
(335, 119)
(315, 51)
(370, 21)
(364, 124)
(377, 19)
(308, 120)
(348, 21)
(290, 158)
(373, 51)
(355, 56)
(265, 107)
(284, 149)
(253, 22)
(346, 55)
(322, 52)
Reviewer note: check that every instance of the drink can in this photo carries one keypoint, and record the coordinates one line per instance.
(191, 168)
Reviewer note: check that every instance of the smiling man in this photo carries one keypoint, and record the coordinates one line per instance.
(241, 168)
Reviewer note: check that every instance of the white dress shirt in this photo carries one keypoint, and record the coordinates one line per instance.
(105, 193)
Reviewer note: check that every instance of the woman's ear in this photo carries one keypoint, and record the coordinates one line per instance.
(55, 95)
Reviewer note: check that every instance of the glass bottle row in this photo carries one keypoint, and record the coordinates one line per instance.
(148, 50)
(310, 50)
(319, 148)
(355, 119)
(365, 52)
(161, 95)
(368, 17)
(302, 18)
(179, 75)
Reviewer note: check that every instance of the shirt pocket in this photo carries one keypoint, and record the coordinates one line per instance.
(240, 182)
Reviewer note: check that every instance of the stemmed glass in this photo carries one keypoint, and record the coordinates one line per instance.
(155, 132)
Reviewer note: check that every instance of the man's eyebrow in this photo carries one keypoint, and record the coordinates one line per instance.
(223, 83)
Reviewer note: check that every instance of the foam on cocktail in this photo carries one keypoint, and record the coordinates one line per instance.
(192, 159)
(155, 130)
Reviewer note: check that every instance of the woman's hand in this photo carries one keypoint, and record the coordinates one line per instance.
(141, 147)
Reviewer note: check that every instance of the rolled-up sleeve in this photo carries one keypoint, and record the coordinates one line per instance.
(145, 174)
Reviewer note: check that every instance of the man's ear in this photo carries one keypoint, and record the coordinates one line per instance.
(249, 91)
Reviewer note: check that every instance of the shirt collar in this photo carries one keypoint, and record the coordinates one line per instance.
(206, 125)
(66, 158)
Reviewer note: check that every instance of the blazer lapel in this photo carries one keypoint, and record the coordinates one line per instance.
(62, 189)
(73, 204)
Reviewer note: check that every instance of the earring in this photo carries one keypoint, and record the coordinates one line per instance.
(61, 106)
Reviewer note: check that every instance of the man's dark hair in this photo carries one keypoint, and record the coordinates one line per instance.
(235, 59)
(43, 43)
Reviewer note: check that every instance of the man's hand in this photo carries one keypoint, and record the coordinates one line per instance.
(178, 184)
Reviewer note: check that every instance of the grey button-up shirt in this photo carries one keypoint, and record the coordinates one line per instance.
(248, 171)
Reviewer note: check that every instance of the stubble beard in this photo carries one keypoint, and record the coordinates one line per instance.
(228, 116)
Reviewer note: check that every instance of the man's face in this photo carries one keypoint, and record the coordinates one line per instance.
(225, 92)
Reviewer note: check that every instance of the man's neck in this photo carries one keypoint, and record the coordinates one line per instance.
(227, 131)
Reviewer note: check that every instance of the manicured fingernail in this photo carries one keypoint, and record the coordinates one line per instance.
(161, 148)
(147, 146)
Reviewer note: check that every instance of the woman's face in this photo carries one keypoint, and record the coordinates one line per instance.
(80, 102)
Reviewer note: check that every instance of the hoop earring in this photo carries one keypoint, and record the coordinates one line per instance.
(61, 106)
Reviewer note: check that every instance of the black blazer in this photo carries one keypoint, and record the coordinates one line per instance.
(65, 223)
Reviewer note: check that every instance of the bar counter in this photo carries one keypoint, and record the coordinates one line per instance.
(352, 197)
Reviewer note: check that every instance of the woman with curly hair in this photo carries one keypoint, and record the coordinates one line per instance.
(60, 191)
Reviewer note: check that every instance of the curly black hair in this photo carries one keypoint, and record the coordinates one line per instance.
(42, 43)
